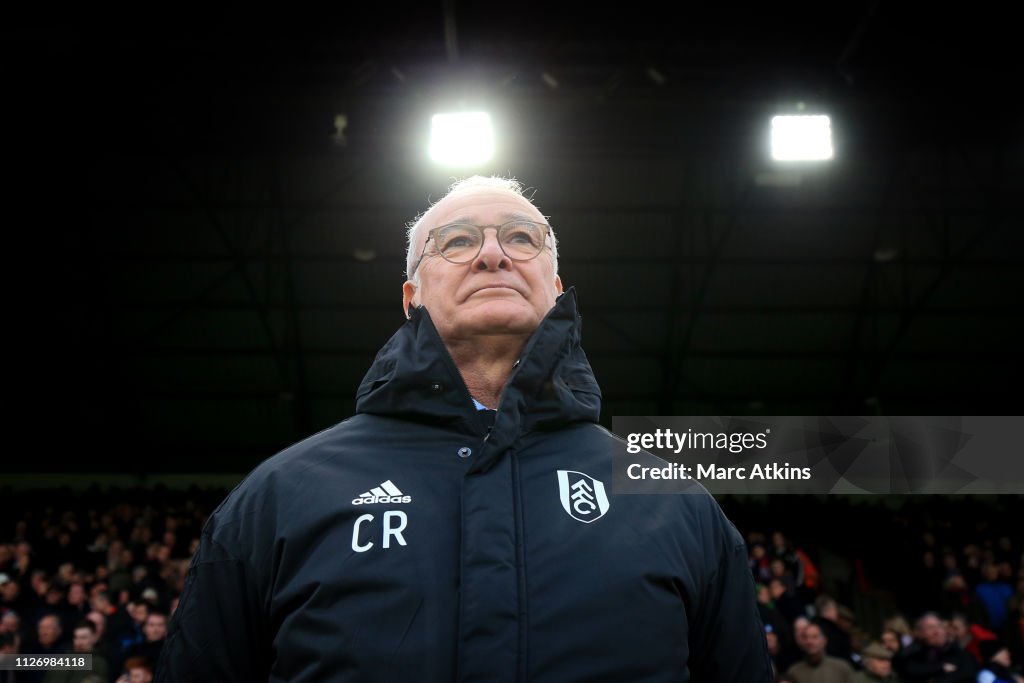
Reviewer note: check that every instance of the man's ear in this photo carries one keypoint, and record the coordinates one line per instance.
(408, 296)
(558, 285)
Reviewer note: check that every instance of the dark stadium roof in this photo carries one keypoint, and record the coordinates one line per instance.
(203, 270)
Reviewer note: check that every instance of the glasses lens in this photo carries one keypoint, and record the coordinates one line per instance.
(522, 239)
(458, 243)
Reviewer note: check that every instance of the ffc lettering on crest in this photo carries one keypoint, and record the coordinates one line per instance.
(582, 496)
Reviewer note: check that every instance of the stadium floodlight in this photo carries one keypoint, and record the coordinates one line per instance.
(801, 138)
(461, 139)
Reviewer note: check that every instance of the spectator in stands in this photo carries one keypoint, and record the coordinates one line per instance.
(928, 589)
(75, 607)
(817, 666)
(848, 624)
(137, 670)
(777, 570)
(800, 625)
(782, 550)
(772, 641)
(996, 664)
(8, 646)
(994, 595)
(787, 603)
(129, 634)
(792, 652)
(100, 622)
(971, 565)
(899, 624)
(967, 635)
(956, 595)
(46, 642)
(891, 641)
(877, 665)
(759, 562)
(48, 635)
(155, 631)
(828, 618)
(933, 657)
(53, 602)
(84, 642)
(770, 615)
(11, 596)
(10, 623)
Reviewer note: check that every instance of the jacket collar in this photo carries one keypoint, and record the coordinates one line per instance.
(413, 377)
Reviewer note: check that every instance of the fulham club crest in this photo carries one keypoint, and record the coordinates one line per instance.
(582, 496)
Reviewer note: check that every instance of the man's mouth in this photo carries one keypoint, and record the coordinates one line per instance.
(487, 287)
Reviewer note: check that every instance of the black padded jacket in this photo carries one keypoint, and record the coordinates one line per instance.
(412, 542)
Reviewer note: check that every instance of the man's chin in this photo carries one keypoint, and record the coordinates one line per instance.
(501, 317)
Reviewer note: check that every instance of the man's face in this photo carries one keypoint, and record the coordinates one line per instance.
(76, 594)
(84, 639)
(813, 641)
(877, 666)
(139, 675)
(492, 294)
(800, 625)
(139, 611)
(958, 628)
(48, 631)
(933, 632)
(98, 620)
(155, 628)
(10, 623)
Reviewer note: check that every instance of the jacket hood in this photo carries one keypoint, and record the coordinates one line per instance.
(414, 377)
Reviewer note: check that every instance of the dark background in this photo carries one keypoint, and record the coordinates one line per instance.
(201, 271)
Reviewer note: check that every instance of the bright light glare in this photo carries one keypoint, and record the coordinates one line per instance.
(461, 139)
(801, 138)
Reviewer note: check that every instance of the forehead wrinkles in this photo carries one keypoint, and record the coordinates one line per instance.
(504, 217)
(472, 205)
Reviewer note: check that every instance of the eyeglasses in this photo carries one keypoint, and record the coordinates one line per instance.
(462, 242)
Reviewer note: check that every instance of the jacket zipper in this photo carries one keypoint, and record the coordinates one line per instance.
(520, 540)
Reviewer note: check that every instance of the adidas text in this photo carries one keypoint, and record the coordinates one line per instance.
(366, 500)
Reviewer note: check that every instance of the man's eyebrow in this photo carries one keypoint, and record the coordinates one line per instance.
(508, 216)
(515, 216)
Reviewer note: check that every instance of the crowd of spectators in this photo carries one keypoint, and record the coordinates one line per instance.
(95, 573)
(968, 624)
(99, 572)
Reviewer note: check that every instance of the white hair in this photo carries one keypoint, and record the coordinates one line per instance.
(466, 186)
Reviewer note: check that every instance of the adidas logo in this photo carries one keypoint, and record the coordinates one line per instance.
(387, 492)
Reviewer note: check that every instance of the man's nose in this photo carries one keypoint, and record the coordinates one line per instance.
(491, 256)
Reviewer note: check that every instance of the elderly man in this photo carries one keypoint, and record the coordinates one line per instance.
(934, 657)
(47, 642)
(877, 666)
(458, 528)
